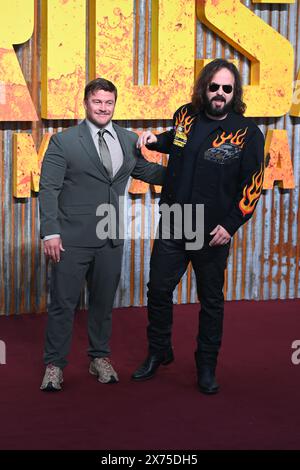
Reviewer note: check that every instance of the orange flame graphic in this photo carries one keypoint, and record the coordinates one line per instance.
(223, 137)
(251, 194)
(236, 139)
(184, 121)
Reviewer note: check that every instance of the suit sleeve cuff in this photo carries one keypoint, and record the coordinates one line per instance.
(49, 237)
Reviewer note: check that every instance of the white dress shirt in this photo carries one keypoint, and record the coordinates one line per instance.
(112, 142)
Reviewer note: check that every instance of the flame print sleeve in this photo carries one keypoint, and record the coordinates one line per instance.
(164, 142)
(249, 186)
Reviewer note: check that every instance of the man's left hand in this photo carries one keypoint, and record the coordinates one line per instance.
(221, 236)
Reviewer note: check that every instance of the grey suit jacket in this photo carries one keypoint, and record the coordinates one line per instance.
(74, 183)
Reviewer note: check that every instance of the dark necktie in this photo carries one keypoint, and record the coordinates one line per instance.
(105, 153)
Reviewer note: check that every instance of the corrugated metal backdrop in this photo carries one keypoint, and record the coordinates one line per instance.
(264, 260)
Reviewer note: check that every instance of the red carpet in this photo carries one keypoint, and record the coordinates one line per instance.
(257, 408)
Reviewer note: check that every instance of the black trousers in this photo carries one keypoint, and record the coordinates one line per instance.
(101, 267)
(168, 263)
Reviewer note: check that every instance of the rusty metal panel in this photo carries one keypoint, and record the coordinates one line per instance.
(264, 258)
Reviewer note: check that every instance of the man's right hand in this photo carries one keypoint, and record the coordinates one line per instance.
(52, 248)
(147, 137)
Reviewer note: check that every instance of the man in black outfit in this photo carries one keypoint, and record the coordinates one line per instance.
(216, 158)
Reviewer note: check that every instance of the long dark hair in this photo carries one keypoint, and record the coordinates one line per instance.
(205, 77)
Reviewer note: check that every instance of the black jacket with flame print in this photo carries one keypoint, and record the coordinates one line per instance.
(218, 163)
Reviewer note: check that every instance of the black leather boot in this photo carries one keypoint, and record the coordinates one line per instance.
(206, 368)
(149, 367)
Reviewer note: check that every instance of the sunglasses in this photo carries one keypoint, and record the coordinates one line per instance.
(215, 86)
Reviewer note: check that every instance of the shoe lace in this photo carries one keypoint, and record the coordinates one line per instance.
(52, 372)
(105, 362)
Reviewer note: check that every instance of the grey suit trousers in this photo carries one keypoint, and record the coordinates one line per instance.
(101, 266)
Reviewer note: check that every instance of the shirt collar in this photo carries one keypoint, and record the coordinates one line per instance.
(95, 129)
(231, 123)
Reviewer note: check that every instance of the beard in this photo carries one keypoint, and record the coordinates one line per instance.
(218, 112)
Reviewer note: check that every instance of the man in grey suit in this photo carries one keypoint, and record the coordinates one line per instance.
(85, 167)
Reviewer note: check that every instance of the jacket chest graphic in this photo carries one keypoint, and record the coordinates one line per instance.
(226, 147)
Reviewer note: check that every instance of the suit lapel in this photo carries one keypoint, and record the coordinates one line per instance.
(86, 141)
(123, 142)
